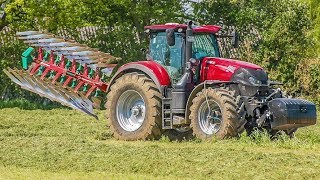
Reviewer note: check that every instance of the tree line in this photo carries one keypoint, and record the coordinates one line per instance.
(283, 36)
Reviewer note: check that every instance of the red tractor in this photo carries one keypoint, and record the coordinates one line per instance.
(183, 89)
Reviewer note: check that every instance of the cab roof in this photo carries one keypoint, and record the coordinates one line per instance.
(196, 29)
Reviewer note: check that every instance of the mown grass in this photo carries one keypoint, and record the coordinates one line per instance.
(62, 143)
(28, 105)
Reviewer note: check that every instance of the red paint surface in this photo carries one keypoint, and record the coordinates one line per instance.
(71, 74)
(159, 71)
(212, 68)
(196, 29)
(222, 69)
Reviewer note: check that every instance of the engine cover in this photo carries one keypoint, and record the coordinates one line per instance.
(291, 113)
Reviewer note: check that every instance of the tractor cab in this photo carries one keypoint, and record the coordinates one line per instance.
(169, 46)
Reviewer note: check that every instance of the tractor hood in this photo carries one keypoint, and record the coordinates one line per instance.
(224, 69)
(230, 64)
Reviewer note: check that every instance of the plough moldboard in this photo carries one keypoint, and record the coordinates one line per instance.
(63, 71)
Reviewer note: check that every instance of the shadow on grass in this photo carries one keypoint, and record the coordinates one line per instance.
(28, 105)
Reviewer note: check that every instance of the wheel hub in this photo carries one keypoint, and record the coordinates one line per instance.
(210, 117)
(136, 110)
(130, 110)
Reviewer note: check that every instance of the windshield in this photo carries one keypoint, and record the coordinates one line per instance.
(205, 45)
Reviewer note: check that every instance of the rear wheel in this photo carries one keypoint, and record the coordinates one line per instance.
(214, 114)
(133, 108)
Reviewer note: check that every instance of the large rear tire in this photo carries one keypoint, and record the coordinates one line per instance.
(221, 120)
(133, 108)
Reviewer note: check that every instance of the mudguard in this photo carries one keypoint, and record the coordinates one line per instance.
(154, 70)
(199, 88)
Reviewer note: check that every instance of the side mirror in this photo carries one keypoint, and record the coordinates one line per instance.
(170, 37)
(235, 39)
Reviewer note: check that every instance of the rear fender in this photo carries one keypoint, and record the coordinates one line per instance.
(199, 88)
(151, 68)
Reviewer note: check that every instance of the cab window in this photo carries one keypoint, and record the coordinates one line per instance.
(170, 57)
(205, 45)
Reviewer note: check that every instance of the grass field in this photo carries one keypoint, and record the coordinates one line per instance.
(61, 143)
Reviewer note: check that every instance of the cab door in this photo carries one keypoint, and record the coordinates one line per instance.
(170, 57)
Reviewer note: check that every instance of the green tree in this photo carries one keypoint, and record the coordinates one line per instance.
(281, 25)
(120, 22)
(315, 32)
(124, 19)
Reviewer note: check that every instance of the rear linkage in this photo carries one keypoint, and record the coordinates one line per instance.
(63, 71)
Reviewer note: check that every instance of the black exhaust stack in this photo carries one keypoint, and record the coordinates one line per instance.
(189, 41)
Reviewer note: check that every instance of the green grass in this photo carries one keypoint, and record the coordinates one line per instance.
(62, 143)
(29, 105)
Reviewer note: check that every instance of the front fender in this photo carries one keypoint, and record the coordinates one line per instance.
(154, 70)
(199, 88)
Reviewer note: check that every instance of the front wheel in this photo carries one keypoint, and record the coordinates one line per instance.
(214, 114)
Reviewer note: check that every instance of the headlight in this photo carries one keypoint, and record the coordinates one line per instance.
(254, 81)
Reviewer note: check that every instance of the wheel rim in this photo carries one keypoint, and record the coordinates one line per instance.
(130, 110)
(210, 117)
